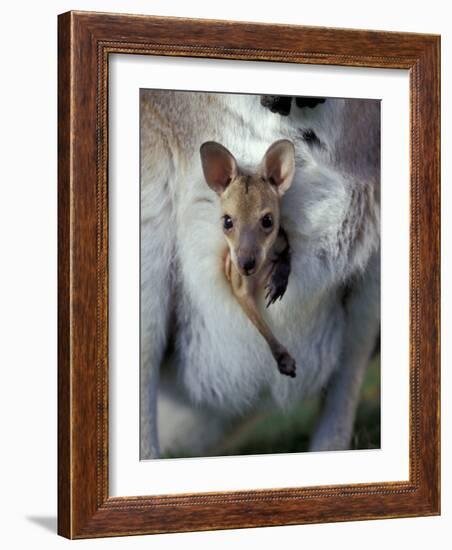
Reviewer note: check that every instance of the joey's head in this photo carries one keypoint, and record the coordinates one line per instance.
(250, 203)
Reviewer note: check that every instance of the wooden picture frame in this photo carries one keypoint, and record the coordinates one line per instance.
(85, 42)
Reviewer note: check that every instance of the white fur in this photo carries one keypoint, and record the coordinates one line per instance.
(331, 214)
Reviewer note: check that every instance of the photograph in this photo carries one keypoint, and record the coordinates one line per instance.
(259, 274)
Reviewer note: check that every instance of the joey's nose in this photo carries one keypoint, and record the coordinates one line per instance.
(248, 265)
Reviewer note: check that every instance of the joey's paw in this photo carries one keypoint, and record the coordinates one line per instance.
(286, 364)
(277, 285)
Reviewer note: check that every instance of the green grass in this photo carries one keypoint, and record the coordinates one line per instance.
(366, 434)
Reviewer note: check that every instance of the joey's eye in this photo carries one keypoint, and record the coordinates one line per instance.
(227, 222)
(267, 221)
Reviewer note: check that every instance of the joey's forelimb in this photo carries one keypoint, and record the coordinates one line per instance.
(246, 290)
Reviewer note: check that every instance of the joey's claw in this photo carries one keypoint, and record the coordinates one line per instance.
(276, 288)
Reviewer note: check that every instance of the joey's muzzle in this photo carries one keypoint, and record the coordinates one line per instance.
(247, 265)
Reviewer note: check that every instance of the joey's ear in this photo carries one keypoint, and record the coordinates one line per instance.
(218, 164)
(278, 165)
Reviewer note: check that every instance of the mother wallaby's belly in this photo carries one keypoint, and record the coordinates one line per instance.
(224, 361)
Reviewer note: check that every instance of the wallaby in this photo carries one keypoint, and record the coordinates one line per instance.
(329, 316)
(258, 254)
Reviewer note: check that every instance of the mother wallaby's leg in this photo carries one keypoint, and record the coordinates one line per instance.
(155, 311)
(157, 273)
(362, 310)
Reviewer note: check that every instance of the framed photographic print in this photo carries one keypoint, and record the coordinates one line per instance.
(248, 275)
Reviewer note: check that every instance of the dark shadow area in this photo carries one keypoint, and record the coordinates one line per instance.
(49, 523)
